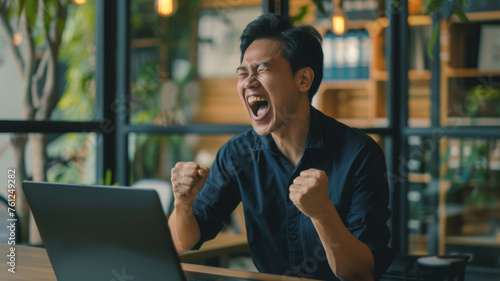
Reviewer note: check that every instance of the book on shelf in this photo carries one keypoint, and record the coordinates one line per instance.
(416, 155)
(365, 55)
(339, 58)
(419, 40)
(362, 9)
(329, 56)
(470, 6)
(352, 54)
(347, 56)
(481, 5)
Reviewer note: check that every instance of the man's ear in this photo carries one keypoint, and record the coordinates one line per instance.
(304, 78)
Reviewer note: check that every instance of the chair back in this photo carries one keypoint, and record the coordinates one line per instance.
(164, 190)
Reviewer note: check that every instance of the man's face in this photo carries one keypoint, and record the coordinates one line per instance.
(267, 87)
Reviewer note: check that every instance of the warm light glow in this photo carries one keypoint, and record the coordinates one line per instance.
(79, 2)
(338, 23)
(17, 39)
(166, 8)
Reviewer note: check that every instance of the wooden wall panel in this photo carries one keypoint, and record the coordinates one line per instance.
(219, 102)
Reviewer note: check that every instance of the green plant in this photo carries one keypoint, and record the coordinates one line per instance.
(482, 96)
(433, 6)
(471, 180)
(447, 9)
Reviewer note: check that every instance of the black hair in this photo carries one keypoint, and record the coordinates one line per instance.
(301, 44)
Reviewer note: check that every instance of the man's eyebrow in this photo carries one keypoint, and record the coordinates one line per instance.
(259, 64)
(262, 63)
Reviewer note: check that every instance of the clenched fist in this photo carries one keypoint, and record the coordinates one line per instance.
(187, 180)
(309, 192)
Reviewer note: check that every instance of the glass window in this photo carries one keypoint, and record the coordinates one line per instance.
(63, 89)
(419, 75)
(71, 157)
(460, 211)
(183, 67)
(470, 87)
(153, 156)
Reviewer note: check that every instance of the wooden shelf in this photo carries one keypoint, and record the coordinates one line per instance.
(365, 122)
(419, 20)
(345, 84)
(479, 16)
(383, 22)
(419, 178)
(480, 240)
(472, 121)
(419, 74)
(143, 43)
(468, 72)
(418, 244)
(419, 122)
(373, 26)
(357, 24)
(380, 75)
(210, 4)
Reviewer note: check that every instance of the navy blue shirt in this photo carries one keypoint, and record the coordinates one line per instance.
(282, 240)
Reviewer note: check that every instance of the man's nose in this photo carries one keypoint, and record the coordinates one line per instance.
(251, 82)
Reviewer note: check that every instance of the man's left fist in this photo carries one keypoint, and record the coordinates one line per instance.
(309, 192)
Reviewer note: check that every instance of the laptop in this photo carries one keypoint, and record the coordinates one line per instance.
(106, 233)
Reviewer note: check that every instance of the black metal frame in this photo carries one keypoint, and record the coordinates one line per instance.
(123, 89)
(399, 63)
(397, 93)
(269, 6)
(105, 78)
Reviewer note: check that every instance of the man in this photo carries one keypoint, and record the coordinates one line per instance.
(314, 191)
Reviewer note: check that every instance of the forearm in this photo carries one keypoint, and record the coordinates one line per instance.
(349, 258)
(184, 228)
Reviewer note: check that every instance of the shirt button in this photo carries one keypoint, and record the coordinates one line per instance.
(294, 236)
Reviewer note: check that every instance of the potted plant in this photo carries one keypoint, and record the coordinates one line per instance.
(483, 101)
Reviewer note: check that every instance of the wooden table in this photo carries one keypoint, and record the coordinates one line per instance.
(222, 247)
(33, 264)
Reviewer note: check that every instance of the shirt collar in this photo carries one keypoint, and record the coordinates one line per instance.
(314, 136)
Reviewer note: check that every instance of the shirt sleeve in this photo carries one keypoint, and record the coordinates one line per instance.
(368, 213)
(218, 198)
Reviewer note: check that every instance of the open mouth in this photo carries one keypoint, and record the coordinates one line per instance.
(258, 105)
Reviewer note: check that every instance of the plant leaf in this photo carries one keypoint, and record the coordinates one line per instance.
(463, 3)
(31, 10)
(460, 14)
(20, 11)
(319, 5)
(432, 5)
(302, 13)
(396, 3)
(108, 177)
(432, 43)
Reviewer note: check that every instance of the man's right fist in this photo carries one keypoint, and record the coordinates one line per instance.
(187, 180)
